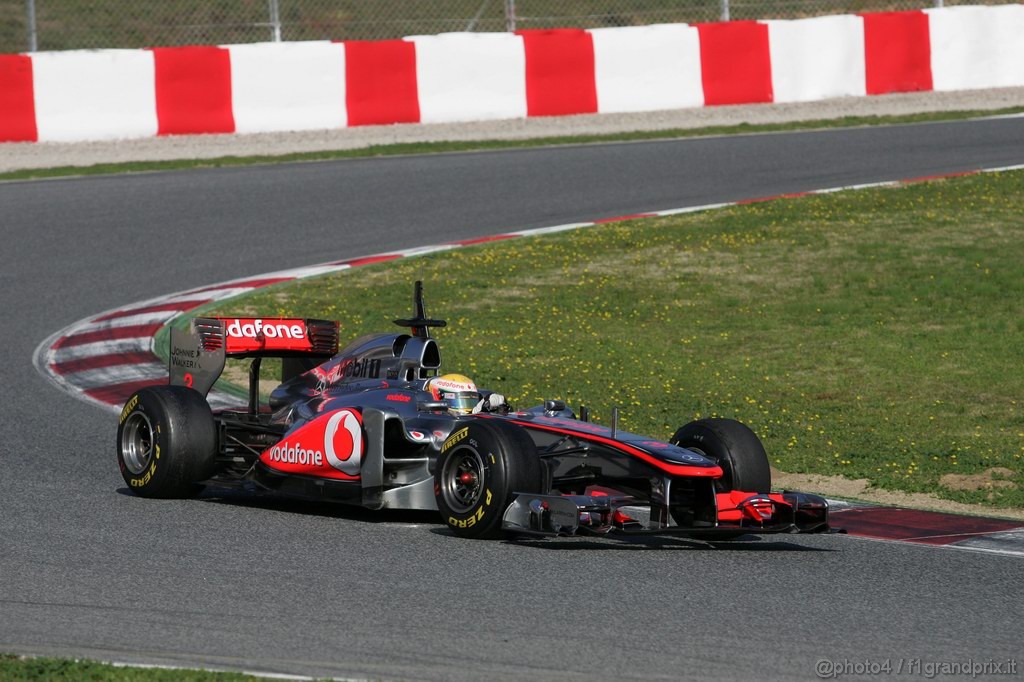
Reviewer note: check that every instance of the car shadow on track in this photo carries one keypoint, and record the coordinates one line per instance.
(748, 543)
(333, 510)
(291, 505)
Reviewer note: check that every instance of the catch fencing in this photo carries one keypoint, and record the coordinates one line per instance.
(34, 25)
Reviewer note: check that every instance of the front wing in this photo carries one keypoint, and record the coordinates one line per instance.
(599, 514)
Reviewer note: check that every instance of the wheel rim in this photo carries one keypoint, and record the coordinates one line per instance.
(137, 442)
(462, 480)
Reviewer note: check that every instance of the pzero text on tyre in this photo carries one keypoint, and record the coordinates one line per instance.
(481, 464)
(166, 442)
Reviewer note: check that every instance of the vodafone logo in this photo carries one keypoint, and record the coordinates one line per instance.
(296, 454)
(343, 442)
(329, 446)
(254, 329)
(449, 385)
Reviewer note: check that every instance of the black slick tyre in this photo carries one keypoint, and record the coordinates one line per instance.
(481, 464)
(166, 442)
(734, 447)
(737, 450)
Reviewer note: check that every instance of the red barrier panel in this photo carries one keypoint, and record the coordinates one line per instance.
(380, 82)
(897, 52)
(559, 72)
(17, 100)
(736, 66)
(193, 90)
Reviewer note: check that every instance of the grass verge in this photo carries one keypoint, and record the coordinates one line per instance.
(485, 145)
(872, 334)
(15, 668)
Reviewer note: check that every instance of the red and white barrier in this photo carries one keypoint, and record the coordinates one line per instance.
(837, 69)
(288, 86)
(647, 68)
(111, 94)
(470, 77)
(977, 47)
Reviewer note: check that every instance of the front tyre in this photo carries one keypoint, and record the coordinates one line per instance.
(166, 442)
(734, 447)
(737, 450)
(482, 463)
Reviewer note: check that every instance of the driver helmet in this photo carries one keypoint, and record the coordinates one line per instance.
(457, 390)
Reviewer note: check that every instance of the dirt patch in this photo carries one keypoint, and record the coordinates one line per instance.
(860, 489)
(990, 479)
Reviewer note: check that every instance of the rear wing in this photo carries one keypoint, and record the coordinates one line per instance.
(198, 352)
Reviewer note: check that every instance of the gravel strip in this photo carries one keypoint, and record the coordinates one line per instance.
(16, 156)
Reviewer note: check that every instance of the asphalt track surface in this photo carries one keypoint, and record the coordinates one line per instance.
(87, 569)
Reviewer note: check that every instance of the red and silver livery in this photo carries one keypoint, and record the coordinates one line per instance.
(360, 426)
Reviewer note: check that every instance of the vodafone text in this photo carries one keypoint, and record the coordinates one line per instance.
(296, 454)
(246, 329)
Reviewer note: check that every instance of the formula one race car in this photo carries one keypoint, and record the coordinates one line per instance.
(375, 425)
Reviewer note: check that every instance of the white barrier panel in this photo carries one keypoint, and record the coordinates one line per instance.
(288, 86)
(977, 47)
(470, 76)
(94, 95)
(817, 58)
(647, 68)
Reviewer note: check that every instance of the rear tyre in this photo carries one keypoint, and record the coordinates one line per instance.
(166, 442)
(737, 450)
(481, 465)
